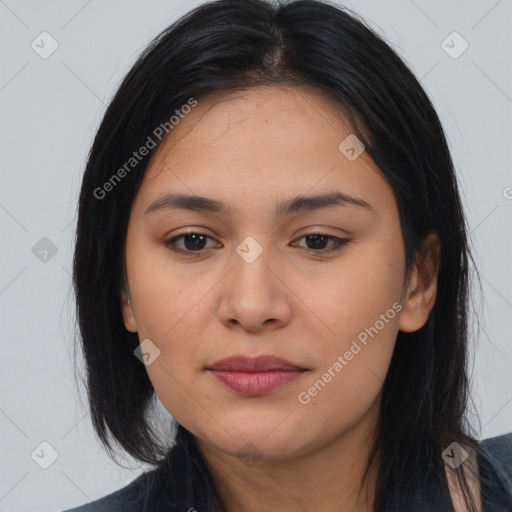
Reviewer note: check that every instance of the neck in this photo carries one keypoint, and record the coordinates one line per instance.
(325, 477)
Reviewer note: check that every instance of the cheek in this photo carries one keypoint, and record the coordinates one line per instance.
(352, 297)
(170, 304)
(171, 312)
(365, 306)
(355, 362)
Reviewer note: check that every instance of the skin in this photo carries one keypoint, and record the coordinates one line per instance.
(252, 150)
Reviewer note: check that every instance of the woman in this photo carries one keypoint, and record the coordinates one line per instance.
(271, 243)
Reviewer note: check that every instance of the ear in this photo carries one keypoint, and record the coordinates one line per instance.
(127, 311)
(421, 290)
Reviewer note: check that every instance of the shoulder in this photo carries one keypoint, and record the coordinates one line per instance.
(498, 451)
(495, 465)
(499, 445)
(130, 498)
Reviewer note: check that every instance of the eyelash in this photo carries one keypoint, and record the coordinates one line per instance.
(340, 243)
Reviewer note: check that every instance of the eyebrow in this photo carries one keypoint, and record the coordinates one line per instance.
(283, 208)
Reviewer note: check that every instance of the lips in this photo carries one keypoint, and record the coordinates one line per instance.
(255, 376)
(257, 364)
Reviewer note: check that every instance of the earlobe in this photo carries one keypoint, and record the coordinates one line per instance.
(127, 312)
(422, 287)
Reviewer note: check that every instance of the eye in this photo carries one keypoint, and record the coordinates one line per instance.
(195, 242)
(318, 241)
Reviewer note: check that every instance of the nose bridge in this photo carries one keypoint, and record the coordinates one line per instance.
(252, 263)
(252, 293)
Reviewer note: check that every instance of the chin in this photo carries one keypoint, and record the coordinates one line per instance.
(248, 441)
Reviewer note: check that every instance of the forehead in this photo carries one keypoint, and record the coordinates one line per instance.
(258, 118)
(266, 140)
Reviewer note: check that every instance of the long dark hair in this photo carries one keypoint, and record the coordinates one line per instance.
(232, 45)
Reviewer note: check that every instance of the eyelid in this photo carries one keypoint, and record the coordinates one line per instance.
(339, 243)
(170, 242)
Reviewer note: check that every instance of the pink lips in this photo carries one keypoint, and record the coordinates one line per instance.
(255, 376)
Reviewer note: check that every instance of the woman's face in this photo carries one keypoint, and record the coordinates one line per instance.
(255, 280)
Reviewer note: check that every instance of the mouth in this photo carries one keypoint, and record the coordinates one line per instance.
(255, 376)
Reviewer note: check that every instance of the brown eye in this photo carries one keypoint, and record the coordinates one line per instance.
(316, 242)
(192, 242)
(196, 243)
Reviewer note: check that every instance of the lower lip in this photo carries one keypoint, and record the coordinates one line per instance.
(257, 383)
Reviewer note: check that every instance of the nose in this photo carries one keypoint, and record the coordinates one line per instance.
(254, 295)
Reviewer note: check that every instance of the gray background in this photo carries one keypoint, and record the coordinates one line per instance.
(50, 110)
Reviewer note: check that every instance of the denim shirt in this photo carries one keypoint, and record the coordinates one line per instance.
(494, 457)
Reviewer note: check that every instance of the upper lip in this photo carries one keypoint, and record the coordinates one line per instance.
(254, 364)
